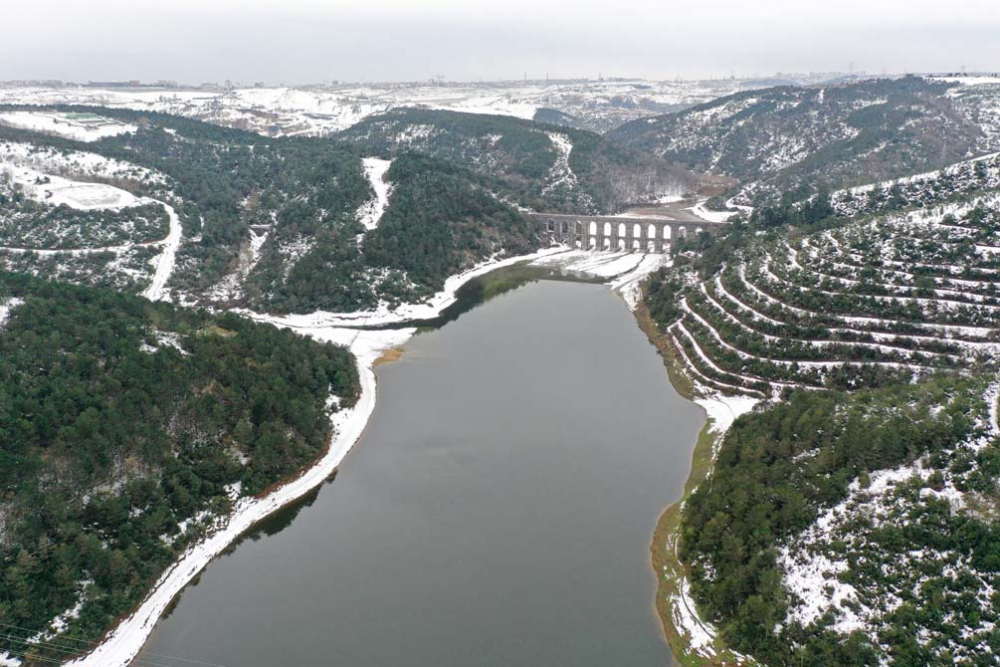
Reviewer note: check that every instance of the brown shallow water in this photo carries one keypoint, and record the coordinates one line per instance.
(497, 511)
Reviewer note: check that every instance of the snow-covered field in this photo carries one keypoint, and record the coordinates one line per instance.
(80, 127)
(701, 211)
(60, 191)
(50, 176)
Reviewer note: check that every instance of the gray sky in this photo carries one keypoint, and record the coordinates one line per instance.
(299, 41)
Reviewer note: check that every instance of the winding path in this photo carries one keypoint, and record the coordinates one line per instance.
(164, 262)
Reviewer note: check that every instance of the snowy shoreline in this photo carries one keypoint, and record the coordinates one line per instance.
(122, 644)
(683, 628)
(700, 635)
(125, 641)
(407, 313)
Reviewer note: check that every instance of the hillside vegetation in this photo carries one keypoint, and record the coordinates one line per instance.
(849, 520)
(789, 140)
(263, 217)
(855, 529)
(848, 306)
(126, 429)
(545, 167)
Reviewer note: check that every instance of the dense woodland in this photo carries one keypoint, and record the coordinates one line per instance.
(776, 471)
(521, 157)
(25, 223)
(123, 420)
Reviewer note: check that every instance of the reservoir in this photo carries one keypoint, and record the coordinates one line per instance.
(497, 511)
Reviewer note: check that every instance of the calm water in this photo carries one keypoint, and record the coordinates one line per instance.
(498, 510)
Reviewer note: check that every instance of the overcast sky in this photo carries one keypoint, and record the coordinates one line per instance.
(301, 41)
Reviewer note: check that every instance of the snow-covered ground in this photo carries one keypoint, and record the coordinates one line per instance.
(702, 212)
(723, 410)
(51, 176)
(813, 572)
(372, 210)
(165, 261)
(561, 175)
(73, 164)
(58, 191)
(80, 127)
(405, 313)
(629, 285)
(6, 307)
(595, 264)
(624, 271)
(319, 110)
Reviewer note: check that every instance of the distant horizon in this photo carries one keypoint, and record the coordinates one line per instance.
(303, 41)
(98, 82)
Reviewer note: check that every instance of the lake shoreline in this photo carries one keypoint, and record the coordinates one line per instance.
(692, 642)
(372, 347)
(124, 642)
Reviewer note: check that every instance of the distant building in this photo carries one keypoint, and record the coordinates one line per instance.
(114, 84)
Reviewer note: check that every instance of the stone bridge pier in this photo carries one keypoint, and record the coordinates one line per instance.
(607, 233)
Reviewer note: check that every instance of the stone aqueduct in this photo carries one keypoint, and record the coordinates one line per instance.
(598, 232)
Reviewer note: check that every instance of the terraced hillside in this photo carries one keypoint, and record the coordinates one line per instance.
(850, 518)
(894, 296)
(958, 181)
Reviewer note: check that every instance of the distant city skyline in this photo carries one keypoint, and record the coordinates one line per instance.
(445, 82)
(311, 41)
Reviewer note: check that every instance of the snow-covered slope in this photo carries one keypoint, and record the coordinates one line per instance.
(780, 139)
(371, 213)
(956, 181)
(77, 126)
(319, 110)
(57, 221)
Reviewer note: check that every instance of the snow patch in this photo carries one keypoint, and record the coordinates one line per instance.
(6, 307)
(371, 211)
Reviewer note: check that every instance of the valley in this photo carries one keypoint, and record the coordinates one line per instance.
(193, 304)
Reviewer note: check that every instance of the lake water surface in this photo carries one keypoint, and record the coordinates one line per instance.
(497, 512)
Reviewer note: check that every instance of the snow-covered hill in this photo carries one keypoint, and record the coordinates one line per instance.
(319, 110)
(781, 139)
